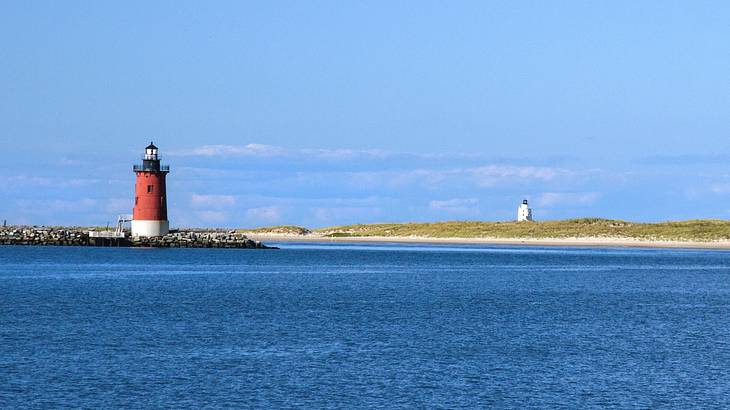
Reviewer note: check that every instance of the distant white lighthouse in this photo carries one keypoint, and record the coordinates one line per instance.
(524, 213)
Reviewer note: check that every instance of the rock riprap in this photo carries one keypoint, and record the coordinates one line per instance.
(77, 237)
(43, 236)
(198, 240)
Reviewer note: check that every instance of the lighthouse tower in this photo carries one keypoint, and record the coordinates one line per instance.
(524, 213)
(150, 198)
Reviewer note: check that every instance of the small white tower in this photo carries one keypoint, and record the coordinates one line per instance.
(524, 213)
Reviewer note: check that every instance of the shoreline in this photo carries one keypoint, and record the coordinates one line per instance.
(573, 242)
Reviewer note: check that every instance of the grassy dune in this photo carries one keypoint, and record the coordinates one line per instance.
(695, 230)
(279, 230)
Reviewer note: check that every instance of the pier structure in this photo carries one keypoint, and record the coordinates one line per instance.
(149, 218)
(116, 237)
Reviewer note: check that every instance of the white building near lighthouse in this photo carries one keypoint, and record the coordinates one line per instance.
(524, 213)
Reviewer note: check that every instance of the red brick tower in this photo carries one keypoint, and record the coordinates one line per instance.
(150, 200)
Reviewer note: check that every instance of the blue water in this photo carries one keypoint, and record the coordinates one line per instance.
(321, 326)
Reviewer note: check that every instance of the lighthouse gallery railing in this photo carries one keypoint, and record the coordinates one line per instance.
(163, 168)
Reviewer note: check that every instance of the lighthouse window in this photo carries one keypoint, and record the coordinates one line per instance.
(150, 188)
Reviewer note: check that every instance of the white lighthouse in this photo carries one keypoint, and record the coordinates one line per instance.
(524, 213)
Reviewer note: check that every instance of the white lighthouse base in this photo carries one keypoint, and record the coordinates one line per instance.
(150, 228)
(524, 213)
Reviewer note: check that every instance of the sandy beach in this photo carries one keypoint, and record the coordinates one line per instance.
(586, 242)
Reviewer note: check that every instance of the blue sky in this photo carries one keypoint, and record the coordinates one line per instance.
(321, 113)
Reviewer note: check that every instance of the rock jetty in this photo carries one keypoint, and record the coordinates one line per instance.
(43, 236)
(198, 240)
(76, 237)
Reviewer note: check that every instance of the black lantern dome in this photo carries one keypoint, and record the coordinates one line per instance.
(151, 161)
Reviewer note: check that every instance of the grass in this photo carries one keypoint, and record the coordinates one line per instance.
(694, 230)
(280, 229)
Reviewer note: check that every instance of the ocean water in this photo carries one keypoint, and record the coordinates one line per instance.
(353, 326)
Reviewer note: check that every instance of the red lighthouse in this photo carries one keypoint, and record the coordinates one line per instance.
(150, 199)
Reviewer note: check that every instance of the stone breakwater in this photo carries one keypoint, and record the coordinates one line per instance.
(75, 237)
(198, 240)
(43, 236)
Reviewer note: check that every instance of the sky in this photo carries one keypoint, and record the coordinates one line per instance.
(322, 113)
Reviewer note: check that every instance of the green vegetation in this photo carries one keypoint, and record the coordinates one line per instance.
(281, 229)
(695, 230)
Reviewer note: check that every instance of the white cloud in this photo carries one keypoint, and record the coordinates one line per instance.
(450, 203)
(720, 188)
(490, 175)
(344, 154)
(483, 177)
(214, 217)
(458, 206)
(345, 214)
(395, 179)
(212, 201)
(263, 215)
(553, 199)
(268, 151)
(258, 150)
(42, 206)
(417, 169)
(119, 205)
(23, 181)
(423, 176)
